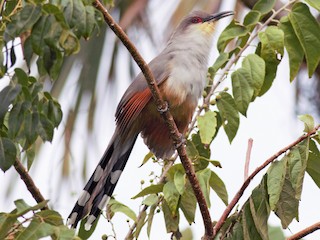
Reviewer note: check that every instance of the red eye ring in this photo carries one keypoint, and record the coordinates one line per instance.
(196, 20)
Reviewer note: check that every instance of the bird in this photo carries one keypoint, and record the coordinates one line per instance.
(180, 72)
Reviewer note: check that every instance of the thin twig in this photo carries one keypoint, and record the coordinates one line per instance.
(248, 156)
(145, 207)
(134, 225)
(24, 175)
(174, 132)
(305, 232)
(238, 195)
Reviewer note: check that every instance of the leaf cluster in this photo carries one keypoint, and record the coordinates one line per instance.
(26, 113)
(280, 189)
(279, 192)
(49, 30)
(18, 225)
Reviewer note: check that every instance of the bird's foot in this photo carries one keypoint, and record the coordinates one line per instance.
(181, 141)
(164, 108)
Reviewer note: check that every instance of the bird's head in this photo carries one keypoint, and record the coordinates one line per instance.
(199, 22)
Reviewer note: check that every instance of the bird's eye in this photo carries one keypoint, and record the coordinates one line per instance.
(196, 20)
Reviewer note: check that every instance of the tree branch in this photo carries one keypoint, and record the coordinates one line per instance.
(248, 155)
(162, 106)
(24, 175)
(305, 232)
(246, 183)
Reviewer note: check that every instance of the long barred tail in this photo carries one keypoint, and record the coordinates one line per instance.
(101, 184)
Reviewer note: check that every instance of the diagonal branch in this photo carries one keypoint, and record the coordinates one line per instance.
(24, 175)
(246, 183)
(305, 232)
(162, 106)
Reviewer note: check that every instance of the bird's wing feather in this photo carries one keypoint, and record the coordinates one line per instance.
(138, 94)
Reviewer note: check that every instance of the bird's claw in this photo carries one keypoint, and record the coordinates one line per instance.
(164, 108)
(181, 141)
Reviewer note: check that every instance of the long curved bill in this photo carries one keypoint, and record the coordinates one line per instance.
(217, 16)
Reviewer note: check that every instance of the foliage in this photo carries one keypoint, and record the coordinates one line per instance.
(280, 188)
(49, 31)
(43, 223)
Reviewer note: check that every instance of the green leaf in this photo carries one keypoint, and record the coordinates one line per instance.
(44, 128)
(313, 167)
(51, 217)
(260, 209)
(30, 153)
(30, 126)
(22, 21)
(8, 153)
(7, 95)
(188, 203)
(150, 200)
(172, 196)
(276, 175)
(241, 90)
(28, 51)
(75, 14)
(139, 224)
(297, 160)
(3, 65)
(219, 187)
(237, 232)
(264, 6)
(293, 46)
(83, 233)
(187, 234)
(229, 114)
(180, 181)
(171, 221)
(7, 220)
(204, 178)
(153, 189)
(307, 30)
(50, 62)
(16, 118)
(22, 77)
(36, 230)
(64, 233)
(23, 207)
(233, 30)
(275, 233)
(173, 169)
(207, 126)
(192, 151)
(287, 206)
(150, 219)
(249, 228)
(115, 206)
(252, 18)
(40, 30)
(220, 61)
(272, 49)
(203, 150)
(52, 110)
(10, 8)
(308, 122)
(146, 158)
(69, 42)
(255, 66)
(314, 3)
(90, 21)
